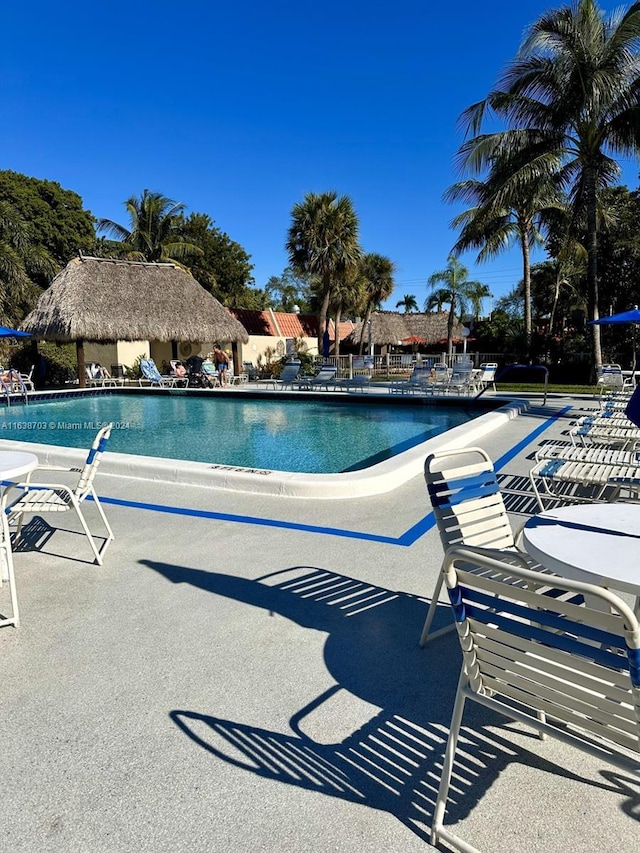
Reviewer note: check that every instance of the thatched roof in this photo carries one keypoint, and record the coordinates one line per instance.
(98, 299)
(390, 327)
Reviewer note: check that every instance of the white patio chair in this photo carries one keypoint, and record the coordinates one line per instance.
(488, 374)
(469, 510)
(27, 379)
(290, 372)
(611, 376)
(419, 382)
(569, 672)
(39, 498)
(325, 377)
(7, 574)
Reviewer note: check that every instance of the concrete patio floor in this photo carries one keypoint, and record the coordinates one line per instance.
(243, 674)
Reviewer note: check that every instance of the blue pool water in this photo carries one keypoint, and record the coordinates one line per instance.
(295, 435)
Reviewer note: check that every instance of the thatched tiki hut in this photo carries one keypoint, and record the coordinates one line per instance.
(103, 300)
(389, 328)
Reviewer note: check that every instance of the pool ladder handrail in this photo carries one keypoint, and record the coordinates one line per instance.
(509, 367)
(9, 388)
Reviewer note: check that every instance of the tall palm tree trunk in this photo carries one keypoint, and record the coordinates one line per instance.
(592, 264)
(364, 329)
(526, 279)
(324, 311)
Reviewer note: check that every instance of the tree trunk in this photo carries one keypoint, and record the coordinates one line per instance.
(450, 319)
(526, 279)
(364, 329)
(592, 265)
(336, 346)
(324, 310)
(82, 373)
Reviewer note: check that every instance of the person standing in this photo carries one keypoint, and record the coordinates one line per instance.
(221, 361)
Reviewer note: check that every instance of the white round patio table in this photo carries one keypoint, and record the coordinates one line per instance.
(596, 543)
(14, 464)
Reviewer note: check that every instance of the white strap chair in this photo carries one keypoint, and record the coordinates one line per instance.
(469, 510)
(569, 672)
(39, 498)
(7, 574)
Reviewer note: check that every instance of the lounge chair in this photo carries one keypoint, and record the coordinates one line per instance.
(568, 672)
(151, 374)
(99, 377)
(469, 510)
(40, 497)
(463, 380)
(611, 376)
(290, 372)
(567, 480)
(358, 382)
(421, 381)
(487, 375)
(325, 376)
(27, 379)
(181, 376)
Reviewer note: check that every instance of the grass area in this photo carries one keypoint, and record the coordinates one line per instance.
(538, 387)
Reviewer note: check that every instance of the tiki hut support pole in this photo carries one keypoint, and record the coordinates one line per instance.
(82, 376)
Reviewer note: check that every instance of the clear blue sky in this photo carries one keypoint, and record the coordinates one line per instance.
(239, 109)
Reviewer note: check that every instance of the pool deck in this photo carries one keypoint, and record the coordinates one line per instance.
(243, 674)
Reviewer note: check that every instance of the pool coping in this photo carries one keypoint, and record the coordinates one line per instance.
(377, 479)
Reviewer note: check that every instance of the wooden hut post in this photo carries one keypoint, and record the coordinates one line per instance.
(82, 375)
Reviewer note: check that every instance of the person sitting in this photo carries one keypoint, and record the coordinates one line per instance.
(179, 370)
(99, 372)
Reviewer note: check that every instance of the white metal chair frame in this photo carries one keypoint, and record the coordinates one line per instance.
(38, 498)
(570, 672)
(469, 510)
(6, 556)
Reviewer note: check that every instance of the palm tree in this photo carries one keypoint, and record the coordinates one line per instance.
(322, 243)
(476, 294)
(571, 98)
(456, 282)
(437, 300)
(408, 303)
(155, 229)
(505, 210)
(376, 272)
(347, 295)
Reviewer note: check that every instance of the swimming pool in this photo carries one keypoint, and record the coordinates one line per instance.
(308, 436)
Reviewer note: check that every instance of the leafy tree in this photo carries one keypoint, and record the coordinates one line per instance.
(21, 262)
(455, 280)
(571, 100)
(408, 303)
(376, 274)
(322, 243)
(155, 231)
(287, 290)
(223, 267)
(57, 222)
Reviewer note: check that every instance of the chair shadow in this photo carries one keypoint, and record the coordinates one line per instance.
(393, 762)
(37, 533)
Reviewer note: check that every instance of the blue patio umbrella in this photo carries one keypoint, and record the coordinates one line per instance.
(5, 332)
(632, 316)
